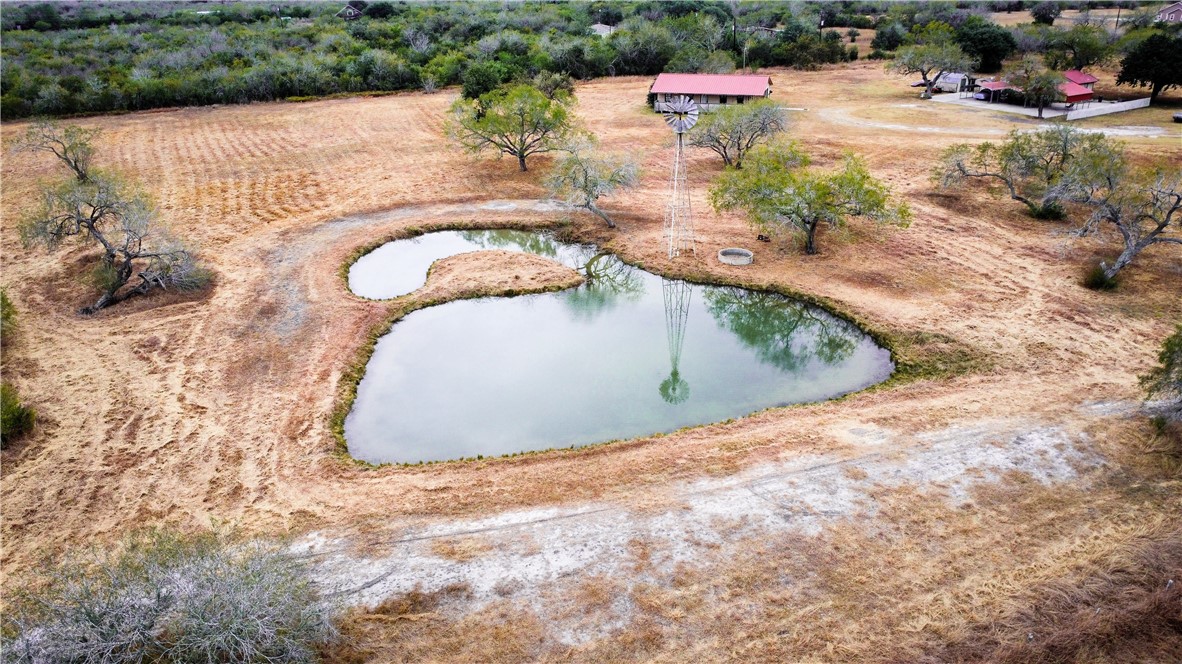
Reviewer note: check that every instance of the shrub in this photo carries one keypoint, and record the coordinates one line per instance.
(7, 314)
(1165, 380)
(160, 596)
(1096, 280)
(15, 419)
(878, 54)
(1050, 211)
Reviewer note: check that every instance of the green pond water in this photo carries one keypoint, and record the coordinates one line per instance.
(627, 354)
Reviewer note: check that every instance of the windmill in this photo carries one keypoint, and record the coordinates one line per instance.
(681, 115)
(674, 389)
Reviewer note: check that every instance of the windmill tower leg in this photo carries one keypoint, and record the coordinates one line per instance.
(679, 224)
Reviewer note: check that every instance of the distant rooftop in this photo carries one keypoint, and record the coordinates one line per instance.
(1078, 77)
(742, 85)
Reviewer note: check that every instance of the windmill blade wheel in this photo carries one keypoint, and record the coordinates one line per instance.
(681, 114)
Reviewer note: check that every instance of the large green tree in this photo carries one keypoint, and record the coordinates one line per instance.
(988, 42)
(732, 131)
(931, 61)
(1078, 48)
(1045, 12)
(1040, 86)
(518, 121)
(1156, 63)
(779, 191)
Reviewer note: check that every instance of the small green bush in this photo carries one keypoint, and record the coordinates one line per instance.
(103, 277)
(1052, 211)
(878, 54)
(7, 313)
(165, 597)
(1096, 280)
(16, 419)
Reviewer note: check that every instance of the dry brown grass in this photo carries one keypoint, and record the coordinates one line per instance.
(181, 411)
(936, 584)
(461, 549)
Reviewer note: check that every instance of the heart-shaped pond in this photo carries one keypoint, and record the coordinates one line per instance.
(626, 354)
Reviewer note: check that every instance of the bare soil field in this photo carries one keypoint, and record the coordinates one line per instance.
(1067, 18)
(998, 504)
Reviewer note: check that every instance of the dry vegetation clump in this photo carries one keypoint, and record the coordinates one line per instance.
(421, 627)
(163, 596)
(1124, 604)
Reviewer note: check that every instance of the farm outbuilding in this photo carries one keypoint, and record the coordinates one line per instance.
(954, 82)
(1073, 93)
(1080, 78)
(709, 91)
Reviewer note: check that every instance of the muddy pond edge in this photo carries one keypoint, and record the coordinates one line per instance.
(917, 355)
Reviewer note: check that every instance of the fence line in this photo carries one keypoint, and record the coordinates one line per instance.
(1105, 109)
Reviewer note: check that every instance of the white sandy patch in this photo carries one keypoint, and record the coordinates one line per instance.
(544, 548)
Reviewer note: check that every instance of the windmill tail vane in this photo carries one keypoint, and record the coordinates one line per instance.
(681, 114)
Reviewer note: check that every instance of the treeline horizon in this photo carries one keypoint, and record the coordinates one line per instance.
(80, 58)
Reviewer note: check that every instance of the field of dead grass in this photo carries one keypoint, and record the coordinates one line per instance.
(185, 410)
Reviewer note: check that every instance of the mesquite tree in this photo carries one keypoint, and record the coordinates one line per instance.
(1164, 381)
(1047, 168)
(581, 176)
(778, 190)
(732, 131)
(1029, 164)
(931, 61)
(1040, 86)
(97, 206)
(1144, 206)
(518, 121)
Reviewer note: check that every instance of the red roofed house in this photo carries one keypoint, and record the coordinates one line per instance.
(1080, 78)
(709, 91)
(1075, 93)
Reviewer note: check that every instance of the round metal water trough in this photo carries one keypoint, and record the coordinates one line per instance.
(735, 256)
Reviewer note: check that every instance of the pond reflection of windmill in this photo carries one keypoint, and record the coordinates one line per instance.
(674, 389)
(681, 115)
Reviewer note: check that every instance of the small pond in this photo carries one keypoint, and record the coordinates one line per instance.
(626, 354)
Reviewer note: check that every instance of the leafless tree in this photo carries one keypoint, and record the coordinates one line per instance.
(419, 41)
(97, 206)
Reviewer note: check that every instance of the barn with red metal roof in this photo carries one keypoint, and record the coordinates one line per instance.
(1080, 78)
(709, 91)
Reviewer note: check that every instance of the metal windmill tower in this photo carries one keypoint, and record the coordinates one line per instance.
(681, 115)
(674, 389)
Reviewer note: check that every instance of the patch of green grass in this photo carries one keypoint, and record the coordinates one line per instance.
(1096, 280)
(16, 419)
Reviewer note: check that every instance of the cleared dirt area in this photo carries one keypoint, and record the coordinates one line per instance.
(956, 504)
